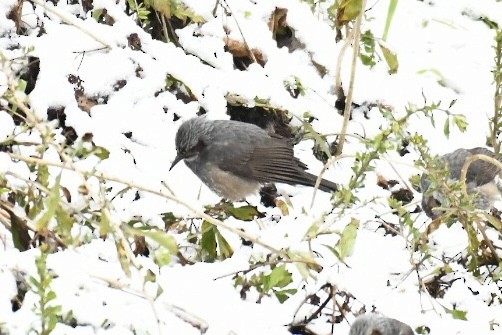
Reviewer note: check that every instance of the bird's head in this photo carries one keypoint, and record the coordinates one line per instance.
(191, 139)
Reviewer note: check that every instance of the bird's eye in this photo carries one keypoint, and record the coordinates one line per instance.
(200, 145)
(195, 149)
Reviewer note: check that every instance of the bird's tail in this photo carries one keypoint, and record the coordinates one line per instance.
(325, 185)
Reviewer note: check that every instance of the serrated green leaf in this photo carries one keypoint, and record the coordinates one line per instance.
(279, 277)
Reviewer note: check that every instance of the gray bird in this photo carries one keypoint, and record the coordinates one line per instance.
(482, 178)
(235, 158)
(374, 324)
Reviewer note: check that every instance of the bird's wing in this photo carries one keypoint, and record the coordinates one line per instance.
(480, 172)
(270, 160)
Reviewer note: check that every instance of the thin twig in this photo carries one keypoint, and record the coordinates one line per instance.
(482, 229)
(251, 54)
(200, 213)
(348, 100)
(71, 20)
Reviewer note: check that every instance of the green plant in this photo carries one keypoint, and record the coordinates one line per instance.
(46, 309)
(273, 282)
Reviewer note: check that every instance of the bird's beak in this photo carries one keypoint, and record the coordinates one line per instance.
(176, 161)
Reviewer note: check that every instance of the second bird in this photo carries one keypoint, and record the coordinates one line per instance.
(234, 159)
(482, 178)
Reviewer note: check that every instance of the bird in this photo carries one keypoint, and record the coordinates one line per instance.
(234, 159)
(375, 324)
(482, 179)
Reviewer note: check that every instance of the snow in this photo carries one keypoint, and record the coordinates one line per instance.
(445, 53)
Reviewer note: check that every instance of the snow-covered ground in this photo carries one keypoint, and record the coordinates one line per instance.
(445, 53)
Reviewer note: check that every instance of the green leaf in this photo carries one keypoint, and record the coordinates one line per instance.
(161, 6)
(279, 277)
(51, 295)
(19, 231)
(104, 224)
(390, 14)
(35, 282)
(441, 78)
(461, 122)
(96, 14)
(43, 175)
(367, 50)
(456, 313)
(390, 58)
(162, 257)
(284, 295)
(123, 258)
(319, 140)
(52, 204)
(150, 277)
(345, 245)
(351, 9)
(208, 241)
(224, 247)
(65, 224)
(493, 221)
(163, 239)
(446, 128)
(101, 153)
(367, 60)
(244, 213)
(21, 85)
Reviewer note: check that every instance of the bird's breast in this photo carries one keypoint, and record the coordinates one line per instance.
(228, 185)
